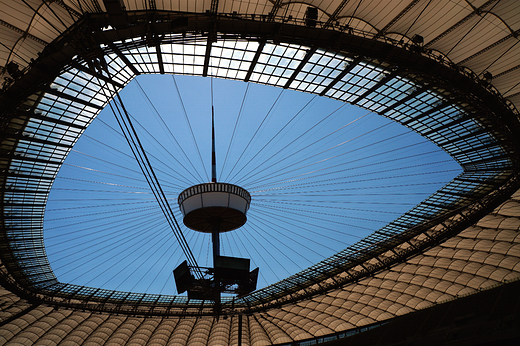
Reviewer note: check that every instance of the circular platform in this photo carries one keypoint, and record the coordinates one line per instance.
(209, 204)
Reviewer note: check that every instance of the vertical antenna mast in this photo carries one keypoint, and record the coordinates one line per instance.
(225, 212)
(213, 156)
(215, 232)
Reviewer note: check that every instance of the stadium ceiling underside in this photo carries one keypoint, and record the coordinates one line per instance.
(462, 239)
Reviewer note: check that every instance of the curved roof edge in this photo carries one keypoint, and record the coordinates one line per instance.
(479, 102)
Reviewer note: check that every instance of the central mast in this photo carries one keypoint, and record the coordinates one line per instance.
(215, 238)
(213, 155)
(215, 208)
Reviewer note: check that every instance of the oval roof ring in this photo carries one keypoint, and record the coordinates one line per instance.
(481, 108)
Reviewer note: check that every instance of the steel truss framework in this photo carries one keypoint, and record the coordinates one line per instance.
(50, 105)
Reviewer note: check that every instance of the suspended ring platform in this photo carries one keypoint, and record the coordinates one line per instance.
(209, 204)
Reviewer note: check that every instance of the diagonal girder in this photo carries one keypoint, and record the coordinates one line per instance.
(343, 73)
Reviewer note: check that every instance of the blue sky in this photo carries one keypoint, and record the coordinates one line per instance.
(322, 175)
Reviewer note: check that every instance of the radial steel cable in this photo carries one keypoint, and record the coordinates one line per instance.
(189, 125)
(234, 129)
(129, 132)
(255, 134)
(161, 119)
(146, 166)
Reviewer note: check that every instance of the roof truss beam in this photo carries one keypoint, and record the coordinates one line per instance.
(117, 12)
(343, 73)
(304, 61)
(463, 118)
(212, 37)
(274, 11)
(21, 137)
(480, 182)
(23, 33)
(480, 147)
(428, 112)
(214, 7)
(13, 156)
(23, 191)
(56, 121)
(414, 94)
(466, 136)
(124, 58)
(99, 76)
(28, 176)
(71, 98)
(376, 86)
(255, 60)
(159, 56)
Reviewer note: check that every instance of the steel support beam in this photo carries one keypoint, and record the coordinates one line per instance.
(480, 147)
(343, 73)
(82, 68)
(254, 61)
(274, 10)
(403, 100)
(462, 138)
(470, 16)
(211, 38)
(304, 61)
(14, 190)
(12, 156)
(21, 137)
(214, 7)
(159, 55)
(447, 125)
(71, 98)
(376, 86)
(428, 112)
(54, 120)
(124, 58)
(116, 12)
(28, 176)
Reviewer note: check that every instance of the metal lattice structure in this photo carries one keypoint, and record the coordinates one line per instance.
(464, 238)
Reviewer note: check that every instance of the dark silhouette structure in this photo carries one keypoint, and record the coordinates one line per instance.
(446, 272)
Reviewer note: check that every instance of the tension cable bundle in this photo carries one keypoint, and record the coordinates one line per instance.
(130, 134)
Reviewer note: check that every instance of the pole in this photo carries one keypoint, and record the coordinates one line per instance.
(213, 156)
(216, 252)
(240, 330)
(215, 239)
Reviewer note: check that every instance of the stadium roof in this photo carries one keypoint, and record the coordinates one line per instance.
(449, 70)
